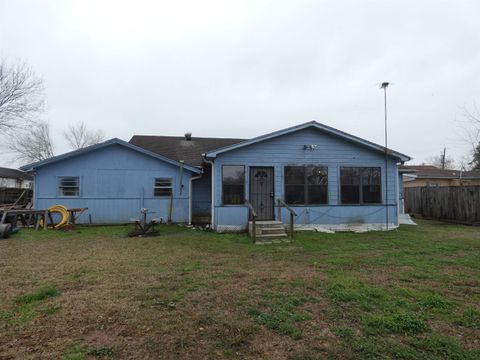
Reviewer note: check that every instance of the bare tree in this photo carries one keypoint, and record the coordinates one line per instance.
(438, 161)
(78, 136)
(471, 134)
(33, 144)
(472, 129)
(21, 95)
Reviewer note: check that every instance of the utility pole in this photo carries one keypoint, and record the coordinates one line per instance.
(443, 158)
(384, 87)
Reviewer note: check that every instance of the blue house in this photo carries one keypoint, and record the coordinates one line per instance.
(329, 178)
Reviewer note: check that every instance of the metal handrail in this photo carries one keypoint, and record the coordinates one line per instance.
(284, 204)
(281, 204)
(254, 220)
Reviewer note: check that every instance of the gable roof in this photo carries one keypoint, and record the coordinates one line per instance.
(178, 148)
(14, 174)
(311, 124)
(114, 141)
(433, 172)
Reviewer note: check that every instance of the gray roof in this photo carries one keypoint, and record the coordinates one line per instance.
(178, 148)
(14, 174)
(433, 172)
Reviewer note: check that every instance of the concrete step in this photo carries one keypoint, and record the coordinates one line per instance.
(272, 230)
(266, 223)
(271, 236)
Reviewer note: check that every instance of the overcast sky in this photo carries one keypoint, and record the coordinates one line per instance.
(245, 68)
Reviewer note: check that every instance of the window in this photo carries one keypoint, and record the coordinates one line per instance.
(163, 187)
(306, 185)
(233, 184)
(360, 185)
(69, 186)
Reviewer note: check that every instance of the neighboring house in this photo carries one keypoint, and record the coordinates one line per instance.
(428, 175)
(328, 177)
(13, 178)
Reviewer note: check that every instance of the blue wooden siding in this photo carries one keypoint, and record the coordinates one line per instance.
(289, 150)
(115, 183)
(202, 195)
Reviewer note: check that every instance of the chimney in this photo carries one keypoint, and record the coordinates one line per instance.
(188, 136)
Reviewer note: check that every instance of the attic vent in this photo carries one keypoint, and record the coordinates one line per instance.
(188, 136)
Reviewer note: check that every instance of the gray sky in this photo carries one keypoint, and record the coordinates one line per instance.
(244, 68)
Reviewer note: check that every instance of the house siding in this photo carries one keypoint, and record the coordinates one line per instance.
(115, 183)
(202, 196)
(330, 151)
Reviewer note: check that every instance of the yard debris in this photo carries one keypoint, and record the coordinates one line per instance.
(144, 228)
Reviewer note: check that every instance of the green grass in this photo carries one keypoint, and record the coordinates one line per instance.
(39, 295)
(412, 293)
(78, 352)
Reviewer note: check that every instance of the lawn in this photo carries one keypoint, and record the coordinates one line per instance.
(96, 294)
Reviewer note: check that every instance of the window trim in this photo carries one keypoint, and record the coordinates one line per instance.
(59, 180)
(163, 187)
(306, 185)
(361, 203)
(244, 184)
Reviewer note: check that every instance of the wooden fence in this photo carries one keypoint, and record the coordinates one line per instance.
(10, 195)
(450, 203)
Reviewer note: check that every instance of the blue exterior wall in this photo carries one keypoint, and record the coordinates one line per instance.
(115, 183)
(202, 195)
(287, 150)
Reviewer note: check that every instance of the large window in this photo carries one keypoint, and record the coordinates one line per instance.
(69, 186)
(360, 185)
(162, 187)
(233, 184)
(306, 185)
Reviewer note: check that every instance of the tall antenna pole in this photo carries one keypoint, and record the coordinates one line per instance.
(384, 87)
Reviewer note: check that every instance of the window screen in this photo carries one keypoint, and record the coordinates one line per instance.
(69, 186)
(163, 187)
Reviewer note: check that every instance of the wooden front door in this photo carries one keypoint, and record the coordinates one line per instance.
(262, 192)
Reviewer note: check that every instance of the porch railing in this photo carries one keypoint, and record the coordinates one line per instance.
(253, 216)
(292, 212)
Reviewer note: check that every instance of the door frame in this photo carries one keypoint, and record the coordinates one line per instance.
(250, 182)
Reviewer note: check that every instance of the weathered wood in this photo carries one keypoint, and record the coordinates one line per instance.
(253, 216)
(281, 204)
(450, 203)
(15, 196)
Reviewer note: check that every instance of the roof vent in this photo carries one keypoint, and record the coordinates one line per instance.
(188, 136)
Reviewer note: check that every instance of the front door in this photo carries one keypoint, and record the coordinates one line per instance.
(262, 192)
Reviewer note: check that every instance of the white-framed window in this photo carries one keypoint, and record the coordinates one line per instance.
(69, 186)
(162, 187)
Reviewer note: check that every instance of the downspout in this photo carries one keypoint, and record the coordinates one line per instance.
(213, 190)
(181, 176)
(398, 194)
(190, 198)
(34, 190)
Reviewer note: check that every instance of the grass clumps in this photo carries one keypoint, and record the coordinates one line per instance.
(29, 306)
(281, 314)
(402, 323)
(39, 295)
(470, 318)
(78, 352)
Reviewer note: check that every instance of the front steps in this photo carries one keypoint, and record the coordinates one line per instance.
(268, 232)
